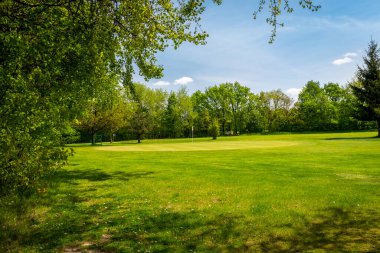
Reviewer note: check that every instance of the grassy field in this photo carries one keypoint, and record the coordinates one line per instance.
(275, 193)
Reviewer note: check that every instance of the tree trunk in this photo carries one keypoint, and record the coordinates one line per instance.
(139, 138)
(93, 138)
(378, 127)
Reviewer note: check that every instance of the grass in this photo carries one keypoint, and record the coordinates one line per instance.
(280, 193)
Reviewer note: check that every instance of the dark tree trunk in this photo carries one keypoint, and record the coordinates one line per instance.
(138, 138)
(93, 137)
(378, 127)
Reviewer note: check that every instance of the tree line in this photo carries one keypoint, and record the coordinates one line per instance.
(224, 109)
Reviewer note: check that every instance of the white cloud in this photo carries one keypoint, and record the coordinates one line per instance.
(351, 55)
(347, 58)
(161, 83)
(293, 92)
(183, 80)
(341, 61)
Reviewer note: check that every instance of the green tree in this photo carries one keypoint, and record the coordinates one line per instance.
(146, 107)
(367, 87)
(52, 52)
(343, 103)
(172, 115)
(315, 109)
(214, 129)
(237, 97)
(179, 114)
(275, 110)
(218, 106)
(201, 113)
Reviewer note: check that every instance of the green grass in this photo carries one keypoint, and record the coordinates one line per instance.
(280, 193)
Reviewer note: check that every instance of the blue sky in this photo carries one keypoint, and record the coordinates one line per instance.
(325, 46)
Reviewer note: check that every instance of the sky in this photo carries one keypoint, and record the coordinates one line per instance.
(325, 46)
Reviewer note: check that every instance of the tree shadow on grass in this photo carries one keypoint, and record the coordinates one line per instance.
(78, 221)
(63, 215)
(336, 230)
(187, 231)
(95, 175)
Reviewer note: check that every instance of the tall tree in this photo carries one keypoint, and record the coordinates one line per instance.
(237, 97)
(179, 114)
(275, 109)
(315, 109)
(145, 106)
(202, 118)
(218, 106)
(367, 88)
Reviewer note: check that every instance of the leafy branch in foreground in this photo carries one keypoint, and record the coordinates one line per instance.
(275, 9)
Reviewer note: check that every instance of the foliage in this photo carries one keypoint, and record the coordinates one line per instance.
(31, 147)
(274, 107)
(367, 87)
(53, 55)
(214, 129)
(275, 8)
(143, 112)
(147, 110)
(315, 109)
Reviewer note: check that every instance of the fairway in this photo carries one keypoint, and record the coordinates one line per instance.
(259, 193)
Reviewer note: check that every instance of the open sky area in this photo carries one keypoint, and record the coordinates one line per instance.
(325, 46)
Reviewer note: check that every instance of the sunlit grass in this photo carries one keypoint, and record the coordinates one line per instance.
(312, 192)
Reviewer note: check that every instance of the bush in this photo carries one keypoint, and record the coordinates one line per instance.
(214, 129)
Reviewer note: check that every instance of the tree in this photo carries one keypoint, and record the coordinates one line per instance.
(217, 104)
(103, 114)
(179, 114)
(315, 109)
(237, 96)
(214, 129)
(172, 116)
(51, 53)
(275, 109)
(142, 117)
(367, 87)
(201, 113)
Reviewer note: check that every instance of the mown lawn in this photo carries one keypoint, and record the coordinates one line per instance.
(275, 193)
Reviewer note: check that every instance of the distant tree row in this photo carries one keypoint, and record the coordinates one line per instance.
(224, 109)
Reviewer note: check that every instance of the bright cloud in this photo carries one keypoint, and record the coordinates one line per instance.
(161, 83)
(293, 92)
(342, 61)
(183, 80)
(351, 55)
(347, 58)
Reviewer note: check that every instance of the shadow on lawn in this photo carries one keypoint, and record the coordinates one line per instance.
(78, 221)
(94, 175)
(336, 230)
